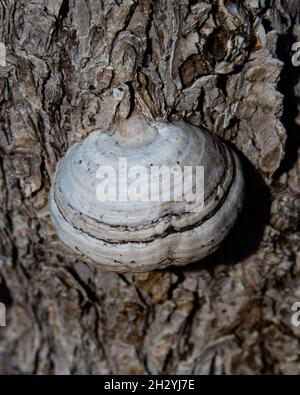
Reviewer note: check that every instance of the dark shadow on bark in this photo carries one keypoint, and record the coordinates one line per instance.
(247, 233)
(288, 80)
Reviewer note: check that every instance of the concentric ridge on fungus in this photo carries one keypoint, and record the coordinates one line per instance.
(141, 236)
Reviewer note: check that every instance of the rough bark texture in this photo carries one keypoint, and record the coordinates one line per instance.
(76, 66)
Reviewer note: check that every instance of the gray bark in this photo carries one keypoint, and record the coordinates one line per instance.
(223, 65)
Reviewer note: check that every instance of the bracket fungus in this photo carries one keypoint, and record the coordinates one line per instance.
(122, 234)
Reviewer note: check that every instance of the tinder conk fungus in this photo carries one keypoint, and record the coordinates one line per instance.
(146, 230)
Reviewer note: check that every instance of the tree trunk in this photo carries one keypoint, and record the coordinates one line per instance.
(223, 65)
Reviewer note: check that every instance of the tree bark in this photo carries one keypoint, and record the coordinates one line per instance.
(76, 66)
